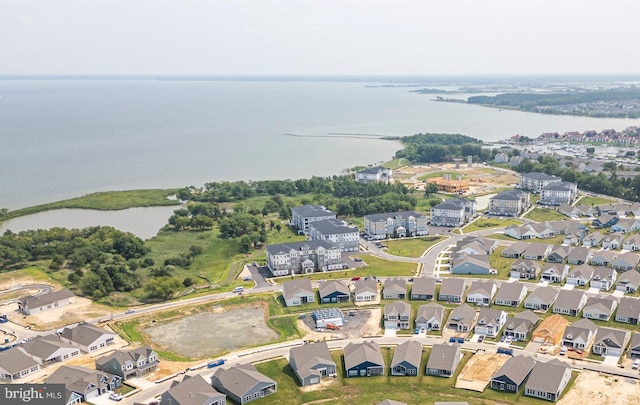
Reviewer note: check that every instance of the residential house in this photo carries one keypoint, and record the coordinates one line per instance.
(303, 216)
(551, 330)
(634, 346)
(628, 311)
(192, 390)
(631, 242)
(311, 362)
(580, 275)
(610, 342)
(333, 291)
(628, 281)
(16, 364)
(430, 317)
(243, 383)
(603, 278)
(377, 174)
(521, 232)
(396, 315)
(395, 225)
(580, 334)
(603, 258)
(519, 327)
(515, 251)
(509, 203)
(85, 383)
(451, 290)
(298, 292)
(510, 294)
(543, 230)
(304, 257)
(599, 308)
(87, 337)
(569, 210)
(612, 241)
(346, 237)
(558, 254)
(363, 359)
(605, 221)
(423, 288)
(365, 290)
(579, 255)
(130, 363)
(443, 360)
(626, 225)
(512, 374)
(570, 302)
(626, 261)
(461, 318)
(490, 322)
(454, 212)
(481, 292)
(541, 299)
(535, 181)
(525, 269)
(548, 380)
(554, 272)
(475, 245)
(536, 251)
(593, 239)
(558, 193)
(35, 304)
(406, 358)
(49, 349)
(469, 264)
(394, 289)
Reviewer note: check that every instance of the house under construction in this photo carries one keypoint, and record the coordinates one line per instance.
(449, 184)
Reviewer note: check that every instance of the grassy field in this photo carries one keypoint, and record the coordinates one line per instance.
(488, 223)
(110, 200)
(414, 247)
(588, 200)
(432, 175)
(544, 214)
(499, 236)
(502, 264)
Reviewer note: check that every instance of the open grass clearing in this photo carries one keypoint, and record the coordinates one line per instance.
(413, 247)
(595, 200)
(544, 214)
(489, 223)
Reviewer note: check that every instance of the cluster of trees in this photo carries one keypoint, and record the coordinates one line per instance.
(435, 148)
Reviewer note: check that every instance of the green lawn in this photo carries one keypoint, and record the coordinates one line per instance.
(414, 247)
(502, 264)
(587, 200)
(499, 236)
(544, 214)
(488, 223)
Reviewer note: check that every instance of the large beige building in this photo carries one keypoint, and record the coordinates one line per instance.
(509, 203)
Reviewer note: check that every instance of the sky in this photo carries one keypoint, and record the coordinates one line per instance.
(319, 37)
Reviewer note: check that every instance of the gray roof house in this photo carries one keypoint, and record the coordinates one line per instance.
(548, 380)
(525, 269)
(512, 374)
(430, 316)
(599, 308)
(579, 255)
(481, 292)
(593, 239)
(634, 346)
(554, 272)
(451, 290)
(631, 242)
(520, 326)
(536, 251)
(363, 359)
(397, 315)
(629, 281)
(35, 304)
(87, 337)
(515, 251)
(569, 302)
(603, 258)
(394, 289)
(135, 362)
(49, 348)
(541, 299)
(192, 390)
(580, 275)
(423, 288)
(490, 321)
(443, 360)
(628, 311)
(406, 358)
(15, 364)
(298, 292)
(242, 383)
(610, 342)
(469, 264)
(86, 383)
(334, 291)
(510, 294)
(603, 278)
(558, 254)
(461, 318)
(311, 362)
(365, 290)
(579, 334)
(612, 241)
(626, 261)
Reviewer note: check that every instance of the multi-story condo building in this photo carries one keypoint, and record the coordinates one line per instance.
(336, 231)
(535, 181)
(395, 225)
(558, 193)
(304, 215)
(509, 203)
(375, 175)
(303, 257)
(454, 212)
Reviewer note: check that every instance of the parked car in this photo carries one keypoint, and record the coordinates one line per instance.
(563, 350)
(115, 396)
(508, 339)
(129, 311)
(356, 278)
(636, 364)
(357, 259)
(480, 338)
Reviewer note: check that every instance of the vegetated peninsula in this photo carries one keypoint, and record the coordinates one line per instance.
(619, 102)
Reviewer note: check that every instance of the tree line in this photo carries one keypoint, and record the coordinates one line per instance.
(436, 148)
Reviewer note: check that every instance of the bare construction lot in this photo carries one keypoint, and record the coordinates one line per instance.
(365, 323)
(477, 373)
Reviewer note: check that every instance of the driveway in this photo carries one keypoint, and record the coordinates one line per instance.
(259, 275)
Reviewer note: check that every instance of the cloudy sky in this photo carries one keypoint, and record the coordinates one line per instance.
(319, 37)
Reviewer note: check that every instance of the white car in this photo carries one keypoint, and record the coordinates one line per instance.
(636, 364)
(508, 339)
(115, 396)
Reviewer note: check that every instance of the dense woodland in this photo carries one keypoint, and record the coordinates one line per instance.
(436, 148)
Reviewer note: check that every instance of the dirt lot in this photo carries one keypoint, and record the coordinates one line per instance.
(365, 323)
(77, 311)
(477, 373)
(596, 388)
